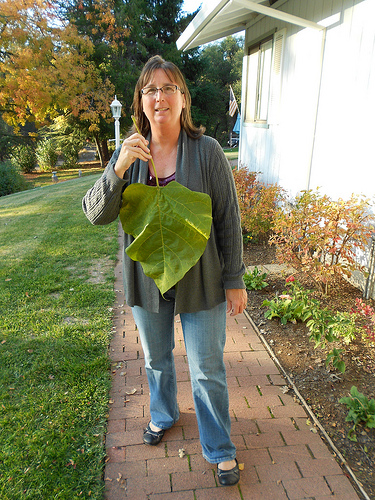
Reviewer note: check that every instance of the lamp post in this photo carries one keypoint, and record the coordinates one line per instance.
(116, 113)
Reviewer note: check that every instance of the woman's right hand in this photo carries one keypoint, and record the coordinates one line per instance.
(135, 146)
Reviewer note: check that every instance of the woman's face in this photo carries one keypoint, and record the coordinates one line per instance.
(162, 109)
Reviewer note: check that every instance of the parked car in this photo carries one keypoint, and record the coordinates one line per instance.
(233, 142)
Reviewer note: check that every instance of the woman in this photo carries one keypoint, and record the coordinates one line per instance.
(211, 288)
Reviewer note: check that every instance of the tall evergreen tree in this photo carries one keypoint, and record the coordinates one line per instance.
(221, 66)
(125, 33)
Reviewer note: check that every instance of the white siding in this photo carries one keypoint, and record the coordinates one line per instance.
(325, 130)
(298, 107)
(343, 161)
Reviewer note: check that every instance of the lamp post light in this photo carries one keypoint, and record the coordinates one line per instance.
(116, 113)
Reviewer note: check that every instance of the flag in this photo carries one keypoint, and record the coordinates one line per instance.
(237, 125)
(232, 103)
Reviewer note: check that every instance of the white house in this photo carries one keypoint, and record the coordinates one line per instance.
(308, 89)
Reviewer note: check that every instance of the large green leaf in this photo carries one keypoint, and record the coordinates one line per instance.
(171, 226)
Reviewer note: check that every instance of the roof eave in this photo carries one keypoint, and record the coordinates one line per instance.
(193, 36)
(200, 21)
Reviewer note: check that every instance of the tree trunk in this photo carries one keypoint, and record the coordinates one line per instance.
(105, 152)
(99, 150)
(215, 131)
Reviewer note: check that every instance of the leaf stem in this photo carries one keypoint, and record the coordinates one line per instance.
(152, 161)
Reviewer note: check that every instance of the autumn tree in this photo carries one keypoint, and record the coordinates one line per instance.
(70, 57)
(46, 68)
(105, 24)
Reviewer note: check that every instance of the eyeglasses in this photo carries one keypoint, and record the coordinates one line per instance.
(166, 89)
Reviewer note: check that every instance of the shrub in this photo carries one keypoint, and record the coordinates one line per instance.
(23, 157)
(70, 156)
(46, 155)
(319, 236)
(257, 203)
(365, 318)
(11, 181)
(70, 144)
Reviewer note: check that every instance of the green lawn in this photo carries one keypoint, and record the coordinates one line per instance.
(41, 179)
(56, 293)
(231, 153)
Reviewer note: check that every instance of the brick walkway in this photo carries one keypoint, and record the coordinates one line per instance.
(282, 458)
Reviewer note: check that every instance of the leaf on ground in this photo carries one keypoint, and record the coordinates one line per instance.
(171, 226)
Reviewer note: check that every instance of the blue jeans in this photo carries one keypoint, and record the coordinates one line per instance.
(204, 336)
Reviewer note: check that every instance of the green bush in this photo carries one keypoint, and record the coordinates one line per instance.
(292, 305)
(255, 280)
(70, 145)
(11, 181)
(23, 157)
(70, 157)
(46, 155)
(361, 411)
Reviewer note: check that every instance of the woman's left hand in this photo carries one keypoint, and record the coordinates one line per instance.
(236, 300)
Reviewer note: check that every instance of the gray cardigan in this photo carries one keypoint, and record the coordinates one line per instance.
(201, 166)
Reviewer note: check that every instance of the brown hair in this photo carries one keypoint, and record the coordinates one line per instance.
(175, 75)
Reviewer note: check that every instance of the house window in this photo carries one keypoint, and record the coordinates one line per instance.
(263, 79)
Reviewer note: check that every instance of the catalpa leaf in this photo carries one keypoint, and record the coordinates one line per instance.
(171, 226)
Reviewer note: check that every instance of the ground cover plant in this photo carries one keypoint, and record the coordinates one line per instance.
(255, 280)
(325, 327)
(361, 410)
(56, 293)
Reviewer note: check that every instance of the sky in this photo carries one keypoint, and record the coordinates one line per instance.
(191, 5)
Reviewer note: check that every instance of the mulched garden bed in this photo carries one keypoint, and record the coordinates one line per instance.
(321, 388)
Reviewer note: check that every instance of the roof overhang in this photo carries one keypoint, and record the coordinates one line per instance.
(221, 18)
